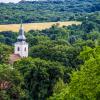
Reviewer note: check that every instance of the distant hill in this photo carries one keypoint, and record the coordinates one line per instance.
(58, 0)
(23, 1)
(31, 11)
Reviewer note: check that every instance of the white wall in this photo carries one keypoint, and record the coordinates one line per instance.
(21, 46)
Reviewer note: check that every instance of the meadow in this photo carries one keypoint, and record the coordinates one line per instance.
(35, 26)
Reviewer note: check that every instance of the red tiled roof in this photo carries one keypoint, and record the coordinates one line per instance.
(14, 57)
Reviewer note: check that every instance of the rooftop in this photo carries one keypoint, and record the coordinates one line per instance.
(13, 58)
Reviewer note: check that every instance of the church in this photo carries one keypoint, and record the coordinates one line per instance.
(20, 47)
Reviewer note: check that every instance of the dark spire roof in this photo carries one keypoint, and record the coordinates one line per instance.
(21, 36)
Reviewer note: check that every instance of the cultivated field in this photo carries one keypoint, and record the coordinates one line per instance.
(35, 26)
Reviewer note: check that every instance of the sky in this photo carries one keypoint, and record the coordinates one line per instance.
(6, 1)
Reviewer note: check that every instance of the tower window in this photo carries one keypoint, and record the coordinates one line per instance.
(18, 49)
(25, 49)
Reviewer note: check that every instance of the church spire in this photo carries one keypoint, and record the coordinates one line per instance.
(21, 46)
(21, 36)
(21, 25)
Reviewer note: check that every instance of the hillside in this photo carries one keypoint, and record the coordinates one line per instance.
(32, 12)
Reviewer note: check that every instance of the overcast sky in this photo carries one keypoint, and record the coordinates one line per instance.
(6, 1)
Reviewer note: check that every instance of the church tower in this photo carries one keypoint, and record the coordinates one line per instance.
(21, 46)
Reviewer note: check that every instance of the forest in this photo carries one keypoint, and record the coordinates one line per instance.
(63, 62)
(31, 12)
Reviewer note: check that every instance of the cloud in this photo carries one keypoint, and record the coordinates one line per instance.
(7, 1)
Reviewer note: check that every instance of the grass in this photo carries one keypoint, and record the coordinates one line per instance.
(35, 26)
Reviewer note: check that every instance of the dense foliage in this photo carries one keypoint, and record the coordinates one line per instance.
(84, 83)
(63, 62)
(51, 11)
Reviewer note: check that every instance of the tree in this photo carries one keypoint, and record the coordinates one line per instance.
(40, 76)
(84, 83)
(5, 50)
(7, 37)
(11, 83)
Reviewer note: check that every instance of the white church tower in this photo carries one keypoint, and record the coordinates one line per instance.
(21, 46)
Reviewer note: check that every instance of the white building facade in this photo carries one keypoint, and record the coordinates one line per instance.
(21, 46)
